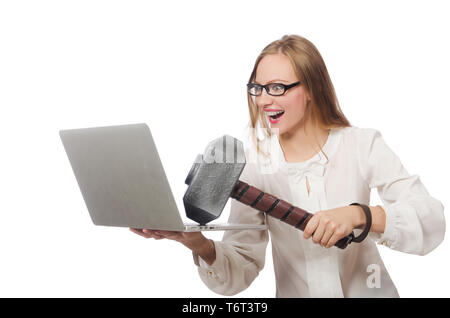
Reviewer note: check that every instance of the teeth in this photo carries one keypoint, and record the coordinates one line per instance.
(275, 113)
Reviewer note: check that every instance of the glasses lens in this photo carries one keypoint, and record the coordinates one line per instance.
(254, 89)
(276, 89)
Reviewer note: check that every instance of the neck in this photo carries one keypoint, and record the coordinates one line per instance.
(302, 142)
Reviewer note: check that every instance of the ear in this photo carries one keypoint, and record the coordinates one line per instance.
(308, 97)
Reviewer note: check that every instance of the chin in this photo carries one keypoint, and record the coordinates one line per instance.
(278, 130)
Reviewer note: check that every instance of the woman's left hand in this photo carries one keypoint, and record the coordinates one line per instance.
(329, 226)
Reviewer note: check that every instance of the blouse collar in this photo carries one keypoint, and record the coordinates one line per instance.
(314, 167)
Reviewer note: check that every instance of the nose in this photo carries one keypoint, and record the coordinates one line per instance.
(264, 99)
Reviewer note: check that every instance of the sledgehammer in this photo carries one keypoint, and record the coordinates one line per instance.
(214, 177)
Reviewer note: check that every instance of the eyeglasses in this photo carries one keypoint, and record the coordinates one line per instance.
(274, 89)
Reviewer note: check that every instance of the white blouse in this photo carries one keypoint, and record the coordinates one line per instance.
(358, 160)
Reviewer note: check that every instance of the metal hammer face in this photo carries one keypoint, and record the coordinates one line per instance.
(212, 178)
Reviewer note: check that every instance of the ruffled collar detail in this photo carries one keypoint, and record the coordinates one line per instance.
(316, 166)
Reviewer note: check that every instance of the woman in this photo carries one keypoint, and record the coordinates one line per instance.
(322, 164)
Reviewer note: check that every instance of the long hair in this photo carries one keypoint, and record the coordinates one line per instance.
(323, 110)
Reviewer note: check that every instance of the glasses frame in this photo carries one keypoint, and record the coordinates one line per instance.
(266, 87)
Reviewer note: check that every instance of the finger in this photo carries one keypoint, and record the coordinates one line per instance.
(311, 227)
(173, 235)
(153, 234)
(139, 232)
(145, 233)
(337, 235)
(318, 233)
(327, 235)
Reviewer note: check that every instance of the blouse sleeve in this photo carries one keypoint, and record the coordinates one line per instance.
(415, 221)
(240, 256)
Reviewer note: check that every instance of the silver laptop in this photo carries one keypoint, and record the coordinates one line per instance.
(123, 182)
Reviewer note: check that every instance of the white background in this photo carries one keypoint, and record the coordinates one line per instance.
(181, 67)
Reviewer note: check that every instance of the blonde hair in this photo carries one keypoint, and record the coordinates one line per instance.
(323, 110)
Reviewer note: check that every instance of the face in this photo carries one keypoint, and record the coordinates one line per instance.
(276, 68)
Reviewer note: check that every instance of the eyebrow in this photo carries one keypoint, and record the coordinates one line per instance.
(271, 81)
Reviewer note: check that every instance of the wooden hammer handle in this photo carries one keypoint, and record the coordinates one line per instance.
(277, 208)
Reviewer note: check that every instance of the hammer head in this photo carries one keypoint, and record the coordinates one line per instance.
(212, 178)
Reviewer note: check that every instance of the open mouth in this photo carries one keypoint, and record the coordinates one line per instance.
(274, 116)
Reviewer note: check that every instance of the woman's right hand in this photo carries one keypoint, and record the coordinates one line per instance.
(186, 238)
(195, 241)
